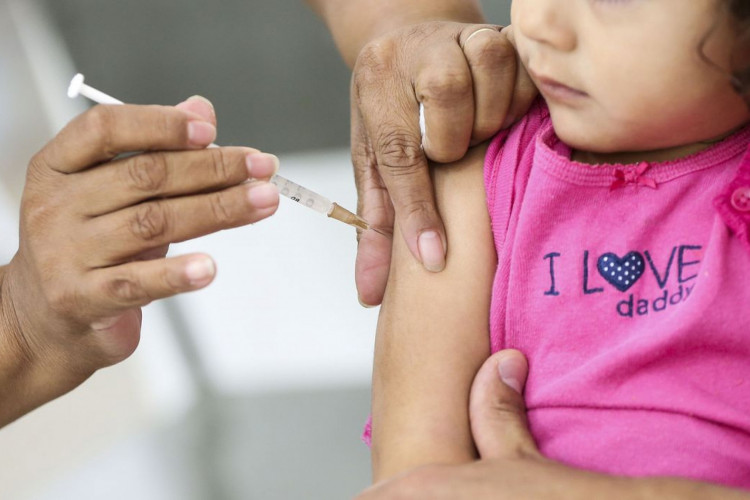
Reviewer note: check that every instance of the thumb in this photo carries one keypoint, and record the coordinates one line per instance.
(497, 409)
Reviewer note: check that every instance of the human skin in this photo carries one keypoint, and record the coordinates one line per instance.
(433, 334)
(33, 372)
(602, 84)
(469, 91)
(411, 383)
(511, 465)
(94, 233)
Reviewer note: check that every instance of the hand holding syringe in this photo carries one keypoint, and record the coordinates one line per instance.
(286, 187)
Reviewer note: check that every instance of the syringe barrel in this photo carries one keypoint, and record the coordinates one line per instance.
(301, 195)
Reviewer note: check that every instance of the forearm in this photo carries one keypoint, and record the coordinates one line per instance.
(353, 23)
(433, 335)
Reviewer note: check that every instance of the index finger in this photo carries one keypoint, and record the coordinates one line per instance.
(106, 131)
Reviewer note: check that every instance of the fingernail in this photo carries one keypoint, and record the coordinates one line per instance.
(263, 195)
(200, 270)
(261, 165)
(201, 133)
(431, 251)
(512, 372)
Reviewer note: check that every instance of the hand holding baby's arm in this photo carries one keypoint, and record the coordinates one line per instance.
(512, 466)
(94, 233)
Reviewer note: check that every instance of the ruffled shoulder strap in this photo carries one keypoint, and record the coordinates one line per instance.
(733, 204)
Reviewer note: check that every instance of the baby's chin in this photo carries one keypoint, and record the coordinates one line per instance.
(597, 132)
(595, 141)
(598, 148)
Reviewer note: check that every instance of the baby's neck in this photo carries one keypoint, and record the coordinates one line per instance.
(654, 156)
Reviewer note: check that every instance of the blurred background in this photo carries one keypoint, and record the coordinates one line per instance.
(258, 387)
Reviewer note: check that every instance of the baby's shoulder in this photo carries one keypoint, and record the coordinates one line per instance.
(510, 144)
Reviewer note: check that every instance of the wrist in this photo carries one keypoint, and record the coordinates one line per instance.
(26, 380)
(354, 24)
(17, 358)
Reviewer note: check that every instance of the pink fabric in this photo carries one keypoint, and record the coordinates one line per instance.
(630, 295)
(367, 433)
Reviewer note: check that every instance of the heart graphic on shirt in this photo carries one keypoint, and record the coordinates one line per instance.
(621, 273)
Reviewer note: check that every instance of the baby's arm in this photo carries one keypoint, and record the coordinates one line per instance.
(433, 333)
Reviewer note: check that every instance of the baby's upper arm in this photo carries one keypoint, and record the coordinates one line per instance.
(433, 332)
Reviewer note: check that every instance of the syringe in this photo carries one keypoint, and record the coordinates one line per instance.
(287, 188)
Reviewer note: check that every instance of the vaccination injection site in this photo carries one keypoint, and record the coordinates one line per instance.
(374, 249)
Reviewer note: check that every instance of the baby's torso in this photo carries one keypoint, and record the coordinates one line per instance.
(630, 297)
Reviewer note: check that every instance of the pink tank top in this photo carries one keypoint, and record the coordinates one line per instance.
(628, 289)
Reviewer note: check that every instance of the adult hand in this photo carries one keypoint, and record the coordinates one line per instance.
(468, 79)
(95, 228)
(511, 464)
(512, 468)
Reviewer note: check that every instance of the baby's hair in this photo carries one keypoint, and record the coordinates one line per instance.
(740, 11)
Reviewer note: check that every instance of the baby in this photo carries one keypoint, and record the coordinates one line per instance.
(606, 236)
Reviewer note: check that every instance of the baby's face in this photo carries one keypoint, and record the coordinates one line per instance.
(629, 75)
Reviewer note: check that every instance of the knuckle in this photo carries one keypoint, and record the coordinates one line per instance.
(446, 86)
(220, 164)
(37, 165)
(506, 410)
(417, 208)
(399, 152)
(221, 209)
(421, 32)
(363, 157)
(490, 51)
(377, 54)
(37, 193)
(126, 290)
(98, 124)
(173, 282)
(375, 60)
(148, 173)
(149, 222)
